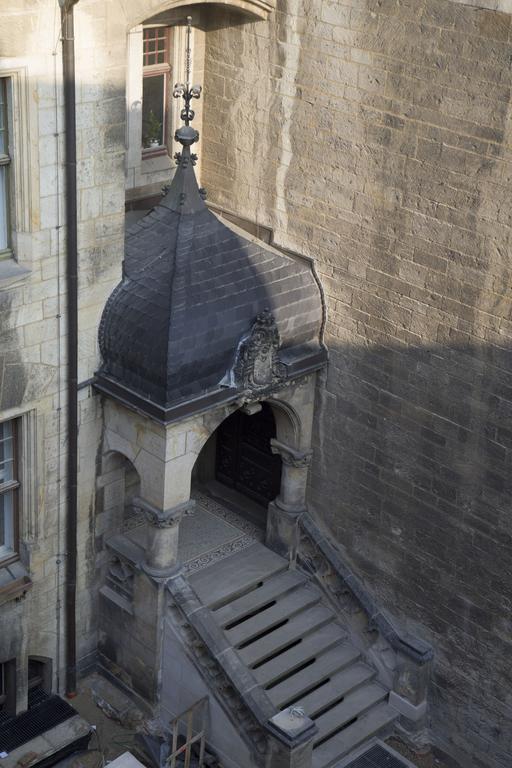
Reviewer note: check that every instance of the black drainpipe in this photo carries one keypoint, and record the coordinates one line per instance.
(68, 72)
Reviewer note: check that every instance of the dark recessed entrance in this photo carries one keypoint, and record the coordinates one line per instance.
(244, 460)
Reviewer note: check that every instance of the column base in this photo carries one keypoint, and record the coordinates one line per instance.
(161, 574)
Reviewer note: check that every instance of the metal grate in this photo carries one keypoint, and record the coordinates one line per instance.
(41, 718)
(36, 696)
(379, 756)
(4, 717)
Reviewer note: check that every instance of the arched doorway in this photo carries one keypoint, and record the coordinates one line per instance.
(237, 462)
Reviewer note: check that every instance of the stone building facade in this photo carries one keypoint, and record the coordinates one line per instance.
(372, 137)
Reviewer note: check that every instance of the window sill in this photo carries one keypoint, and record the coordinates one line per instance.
(157, 161)
(14, 582)
(148, 152)
(11, 272)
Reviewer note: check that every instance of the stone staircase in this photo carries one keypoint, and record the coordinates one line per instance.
(289, 638)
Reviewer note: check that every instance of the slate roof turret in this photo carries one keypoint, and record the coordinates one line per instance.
(196, 293)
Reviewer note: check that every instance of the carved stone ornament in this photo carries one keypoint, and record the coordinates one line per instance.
(120, 577)
(257, 363)
(164, 518)
(291, 457)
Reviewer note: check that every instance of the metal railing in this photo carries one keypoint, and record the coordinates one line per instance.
(193, 735)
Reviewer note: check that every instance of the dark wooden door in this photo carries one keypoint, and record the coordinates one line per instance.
(244, 460)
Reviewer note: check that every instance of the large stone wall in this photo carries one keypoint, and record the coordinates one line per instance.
(375, 137)
(32, 304)
(33, 297)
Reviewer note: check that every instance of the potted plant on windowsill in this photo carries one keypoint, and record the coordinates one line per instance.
(152, 139)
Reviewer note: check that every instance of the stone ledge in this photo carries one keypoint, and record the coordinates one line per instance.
(410, 711)
(114, 597)
(409, 645)
(501, 6)
(127, 549)
(11, 272)
(14, 582)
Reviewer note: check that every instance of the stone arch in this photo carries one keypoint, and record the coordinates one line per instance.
(288, 422)
(39, 678)
(120, 485)
(141, 10)
(292, 426)
(226, 456)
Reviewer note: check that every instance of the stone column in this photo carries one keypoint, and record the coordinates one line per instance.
(162, 538)
(284, 512)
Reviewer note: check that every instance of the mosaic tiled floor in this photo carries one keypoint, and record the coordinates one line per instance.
(208, 534)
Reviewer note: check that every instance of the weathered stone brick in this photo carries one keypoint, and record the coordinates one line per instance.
(427, 236)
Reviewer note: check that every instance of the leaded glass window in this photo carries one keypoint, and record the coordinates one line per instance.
(156, 88)
(5, 163)
(9, 485)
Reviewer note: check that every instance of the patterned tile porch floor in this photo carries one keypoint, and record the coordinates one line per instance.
(208, 534)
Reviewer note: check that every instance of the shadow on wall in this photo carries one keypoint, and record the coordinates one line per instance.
(20, 379)
(411, 473)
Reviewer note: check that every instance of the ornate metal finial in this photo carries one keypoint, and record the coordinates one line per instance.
(184, 90)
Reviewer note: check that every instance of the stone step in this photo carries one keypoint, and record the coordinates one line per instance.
(236, 575)
(270, 590)
(316, 631)
(284, 608)
(325, 665)
(296, 629)
(353, 705)
(336, 687)
(291, 642)
(328, 754)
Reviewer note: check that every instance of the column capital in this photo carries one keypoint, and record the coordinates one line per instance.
(164, 518)
(291, 456)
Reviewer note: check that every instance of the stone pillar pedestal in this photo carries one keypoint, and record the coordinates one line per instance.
(292, 746)
(284, 513)
(409, 697)
(162, 538)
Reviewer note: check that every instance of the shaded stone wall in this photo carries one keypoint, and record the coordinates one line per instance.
(375, 137)
(33, 303)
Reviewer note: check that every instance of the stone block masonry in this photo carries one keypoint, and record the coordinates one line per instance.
(375, 136)
(32, 309)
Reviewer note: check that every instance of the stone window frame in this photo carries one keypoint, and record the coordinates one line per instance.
(24, 181)
(28, 460)
(141, 164)
(13, 487)
(8, 688)
(39, 683)
(165, 69)
(15, 579)
(6, 176)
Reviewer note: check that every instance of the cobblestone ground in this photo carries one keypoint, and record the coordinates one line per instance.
(110, 740)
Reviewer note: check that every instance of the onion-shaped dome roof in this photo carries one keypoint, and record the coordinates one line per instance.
(204, 311)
